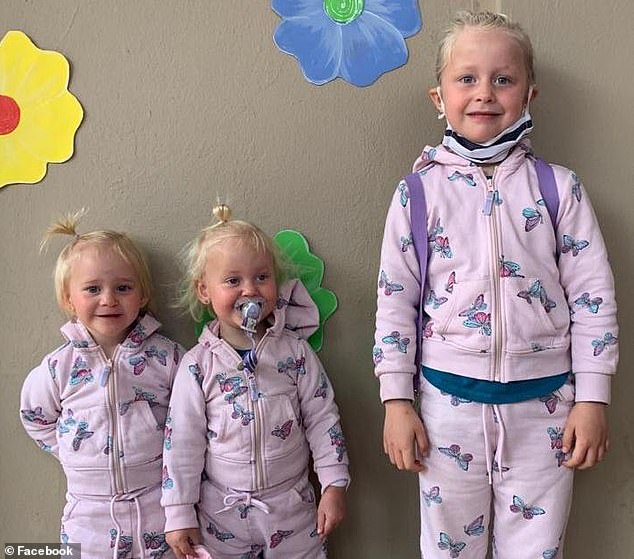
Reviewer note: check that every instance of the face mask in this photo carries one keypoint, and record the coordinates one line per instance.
(496, 149)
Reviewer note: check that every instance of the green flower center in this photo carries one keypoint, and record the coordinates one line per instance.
(343, 11)
(9, 115)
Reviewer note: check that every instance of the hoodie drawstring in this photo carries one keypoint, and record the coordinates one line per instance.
(117, 527)
(234, 498)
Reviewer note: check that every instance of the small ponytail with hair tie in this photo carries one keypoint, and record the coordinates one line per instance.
(222, 213)
(65, 225)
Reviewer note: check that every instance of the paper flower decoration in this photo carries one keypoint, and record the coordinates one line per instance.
(357, 40)
(38, 115)
(310, 270)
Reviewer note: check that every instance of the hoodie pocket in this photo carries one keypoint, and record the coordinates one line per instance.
(142, 436)
(283, 431)
(464, 321)
(535, 319)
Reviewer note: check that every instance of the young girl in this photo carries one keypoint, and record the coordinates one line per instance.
(98, 403)
(519, 324)
(251, 401)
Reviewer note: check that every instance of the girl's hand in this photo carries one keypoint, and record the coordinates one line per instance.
(331, 510)
(404, 436)
(586, 435)
(182, 541)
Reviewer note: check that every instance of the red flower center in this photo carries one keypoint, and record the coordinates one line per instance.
(9, 115)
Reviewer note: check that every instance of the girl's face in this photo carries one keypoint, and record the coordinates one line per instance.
(484, 85)
(234, 271)
(104, 294)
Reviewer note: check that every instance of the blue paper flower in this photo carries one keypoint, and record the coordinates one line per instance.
(357, 40)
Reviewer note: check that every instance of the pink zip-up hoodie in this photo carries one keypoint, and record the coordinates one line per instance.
(507, 296)
(102, 418)
(216, 429)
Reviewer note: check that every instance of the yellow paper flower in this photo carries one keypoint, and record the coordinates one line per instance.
(38, 115)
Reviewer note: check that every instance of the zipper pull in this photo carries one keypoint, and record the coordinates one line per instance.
(104, 375)
(489, 201)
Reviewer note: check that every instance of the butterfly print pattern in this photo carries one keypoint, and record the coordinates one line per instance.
(573, 246)
(231, 387)
(590, 304)
(527, 511)
(35, 416)
(245, 416)
(283, 431)
(576, 187)
(80, 373)
(337, 439)
(451, 280)
(388, 286)
(377, 354)
(167, 481)
(475, 528)
(447, 544)
(167, 433)
(537, 291)
(254, 553)
(195, 371)
(82, 433)
(278, 537)
(509, 269)
(290, 366)
(159, 355)
(155, 541)
(136, 337)
(138, 363)
(124, 548)
(453, 452)
(51, 367)
(601, 344)
(394, 338)
(467, 178)
(434, 301)
(432, 496)
(244, 510)
(220, 536)
(456, 400)
(476, 317)
(322, 390)
(533, 218)
(442, 247)
(406, 242)
(550, 401)
(403, 194)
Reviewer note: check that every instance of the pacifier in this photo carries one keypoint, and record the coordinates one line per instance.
(250, 308)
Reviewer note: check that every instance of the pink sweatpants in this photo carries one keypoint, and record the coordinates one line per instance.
(281, 525)
(494, 468)
(130, 527)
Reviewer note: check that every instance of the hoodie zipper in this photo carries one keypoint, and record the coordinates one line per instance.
(490, 202)
(110, 377)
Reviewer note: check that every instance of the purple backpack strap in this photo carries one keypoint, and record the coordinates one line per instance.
(548, 189)
(418, 220)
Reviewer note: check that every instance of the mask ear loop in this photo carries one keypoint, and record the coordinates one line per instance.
(528, 98)
(441, 114)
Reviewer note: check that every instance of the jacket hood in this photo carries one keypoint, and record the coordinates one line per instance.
(295, 311)
(79, 336)
(443, 156)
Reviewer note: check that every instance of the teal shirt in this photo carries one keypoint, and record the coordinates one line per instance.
(491, 392)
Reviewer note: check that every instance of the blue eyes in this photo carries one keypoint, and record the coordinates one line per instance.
(260, 278)
(498, 80)
(95, 289)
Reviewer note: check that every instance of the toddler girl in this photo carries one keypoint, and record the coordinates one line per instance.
(98, 403)
(251, 402)
(518, 331)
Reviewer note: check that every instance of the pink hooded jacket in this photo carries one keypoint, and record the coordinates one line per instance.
(214, 428)
(103, 418)
(506, 298)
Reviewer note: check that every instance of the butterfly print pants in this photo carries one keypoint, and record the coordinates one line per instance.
(494, 470)
(134, 525)
(272, 525)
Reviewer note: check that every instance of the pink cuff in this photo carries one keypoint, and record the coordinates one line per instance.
(396, 386)
(179, 517)
(592, 387)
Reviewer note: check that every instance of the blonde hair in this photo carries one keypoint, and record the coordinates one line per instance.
(196, 254)
(487, 21)
(120, 243)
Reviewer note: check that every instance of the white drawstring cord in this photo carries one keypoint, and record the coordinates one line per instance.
(234, 498)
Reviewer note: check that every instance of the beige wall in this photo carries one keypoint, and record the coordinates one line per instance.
(188, 100)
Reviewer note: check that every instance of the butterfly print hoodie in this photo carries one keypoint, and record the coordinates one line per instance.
(215, 427)
(103, 418)
(508, 295)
